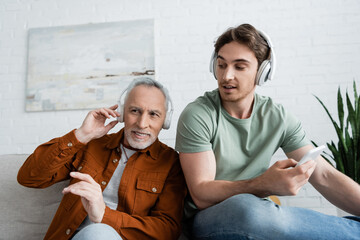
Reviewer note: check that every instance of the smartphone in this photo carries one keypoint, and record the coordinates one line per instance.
(311, 155)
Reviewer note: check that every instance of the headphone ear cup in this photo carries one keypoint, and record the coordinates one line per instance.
(167, 121)
(121, 106)
(213, 64)
(121, 112)
(263, 72)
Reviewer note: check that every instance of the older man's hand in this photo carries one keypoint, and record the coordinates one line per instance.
(90, 193)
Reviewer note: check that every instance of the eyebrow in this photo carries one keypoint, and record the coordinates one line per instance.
(242, 60)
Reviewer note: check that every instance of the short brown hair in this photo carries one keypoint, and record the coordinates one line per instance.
(248, 35)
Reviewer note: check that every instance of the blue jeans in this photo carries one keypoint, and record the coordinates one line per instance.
(246, 216)
(97, 231)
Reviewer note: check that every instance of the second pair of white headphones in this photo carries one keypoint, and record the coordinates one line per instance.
(150, 82)
(267, 68)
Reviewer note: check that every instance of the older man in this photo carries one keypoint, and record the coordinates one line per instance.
(126, 185)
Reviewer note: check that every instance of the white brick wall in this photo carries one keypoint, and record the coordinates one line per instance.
(317, 45)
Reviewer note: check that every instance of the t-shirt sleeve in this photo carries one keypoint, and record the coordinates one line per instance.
(294, 135)
(194, 129)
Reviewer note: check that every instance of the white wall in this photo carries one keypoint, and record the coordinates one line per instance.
(317, 45)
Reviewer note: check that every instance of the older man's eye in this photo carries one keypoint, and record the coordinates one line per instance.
(154, 114)
(134, 110)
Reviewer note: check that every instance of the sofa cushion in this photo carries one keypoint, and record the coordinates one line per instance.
(26, 213)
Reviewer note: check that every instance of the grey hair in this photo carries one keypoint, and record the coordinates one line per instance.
(150, 83)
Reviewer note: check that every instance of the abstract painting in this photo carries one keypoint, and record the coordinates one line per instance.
(86, 66)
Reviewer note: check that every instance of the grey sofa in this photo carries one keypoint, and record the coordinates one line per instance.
(25, 213)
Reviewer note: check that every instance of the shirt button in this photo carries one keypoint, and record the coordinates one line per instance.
(154, 189)
(69, 144)
(103, 183)
(68, 231)
(79, 168)
(115, 160)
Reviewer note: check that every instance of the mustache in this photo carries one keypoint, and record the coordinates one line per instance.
(138, 130)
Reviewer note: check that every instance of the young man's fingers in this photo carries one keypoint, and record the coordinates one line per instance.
(286, 163)
(308, 166)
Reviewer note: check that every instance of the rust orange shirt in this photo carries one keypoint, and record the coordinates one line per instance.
(151, 191)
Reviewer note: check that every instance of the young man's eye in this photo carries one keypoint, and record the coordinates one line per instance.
(221, 65)
(239, 68)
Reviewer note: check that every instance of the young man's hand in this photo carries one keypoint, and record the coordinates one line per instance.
(284, 179)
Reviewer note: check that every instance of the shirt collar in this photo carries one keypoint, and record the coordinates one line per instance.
(115, 139)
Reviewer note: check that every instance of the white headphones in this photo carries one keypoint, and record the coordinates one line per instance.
(148, 82)
(267, 68)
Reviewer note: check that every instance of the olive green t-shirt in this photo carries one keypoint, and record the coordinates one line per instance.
(242, 147)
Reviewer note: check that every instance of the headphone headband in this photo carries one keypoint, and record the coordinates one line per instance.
(266, 70)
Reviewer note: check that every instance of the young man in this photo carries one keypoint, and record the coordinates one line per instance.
(126, 185)
(226, 139)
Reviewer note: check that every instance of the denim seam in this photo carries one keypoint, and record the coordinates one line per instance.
(222, 232)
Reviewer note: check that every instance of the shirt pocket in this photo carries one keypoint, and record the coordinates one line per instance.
(146, 194)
